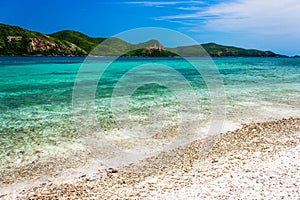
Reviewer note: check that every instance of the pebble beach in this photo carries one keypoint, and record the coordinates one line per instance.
(256, 161)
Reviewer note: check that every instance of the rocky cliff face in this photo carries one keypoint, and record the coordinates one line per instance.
(38, 45)
(18, 45)
(16, 41)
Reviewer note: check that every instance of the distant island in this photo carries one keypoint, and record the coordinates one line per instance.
(16, 41)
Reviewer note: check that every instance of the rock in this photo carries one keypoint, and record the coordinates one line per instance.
(36, 44)
(14, 38)
(112, 170)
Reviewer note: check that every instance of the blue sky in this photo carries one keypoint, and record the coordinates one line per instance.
(261, 24)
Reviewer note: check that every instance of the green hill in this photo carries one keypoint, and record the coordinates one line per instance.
(112, 47)
(150, 53)
(118, 47)
(216, 50)
(81, 40)
(18, 41)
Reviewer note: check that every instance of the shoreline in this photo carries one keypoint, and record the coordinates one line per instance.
(180, 160)
(73, 159)
(112, 56)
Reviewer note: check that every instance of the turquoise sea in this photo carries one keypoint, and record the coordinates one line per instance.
(36, 96)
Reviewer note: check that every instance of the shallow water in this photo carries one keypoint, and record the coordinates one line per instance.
(36, 96)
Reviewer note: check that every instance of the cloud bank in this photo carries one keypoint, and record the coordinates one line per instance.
(257, 16)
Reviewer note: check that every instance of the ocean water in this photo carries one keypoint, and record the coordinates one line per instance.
(37, 102)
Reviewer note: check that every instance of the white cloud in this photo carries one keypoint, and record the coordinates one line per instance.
(153, 3)
(263, 16)
(186, 22)
(162, 3)
(255, 16)
(190, 8)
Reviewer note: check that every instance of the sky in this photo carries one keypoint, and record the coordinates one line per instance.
(260, 24)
